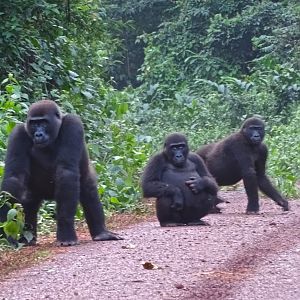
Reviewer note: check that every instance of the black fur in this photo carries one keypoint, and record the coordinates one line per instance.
(243, 155)
(180, 181)
(47, 159)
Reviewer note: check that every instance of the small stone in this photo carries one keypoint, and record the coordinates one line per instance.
(179, 285)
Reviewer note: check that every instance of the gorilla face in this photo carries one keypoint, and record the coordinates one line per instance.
(254, 131)
(43, 123)
(178, 154)
(39, 131)
(176, 149)
(255, 134)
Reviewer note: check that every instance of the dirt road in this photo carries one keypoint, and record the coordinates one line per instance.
(238, 257)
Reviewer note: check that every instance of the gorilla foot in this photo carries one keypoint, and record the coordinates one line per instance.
(25, 242)
(67, 243)
(198, 223)
(221, 200)
(107, 236)
(252, 212)
(171, 224)
(215, 210)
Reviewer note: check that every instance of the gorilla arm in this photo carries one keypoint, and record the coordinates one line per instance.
(264, 183)
(70, 144)
(242, 153)
(71, 141)
(17, 164)
(205, 181)
(153, 186)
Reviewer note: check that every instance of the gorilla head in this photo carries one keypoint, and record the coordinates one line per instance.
(253, 129)
(43, 123)
(176, 149)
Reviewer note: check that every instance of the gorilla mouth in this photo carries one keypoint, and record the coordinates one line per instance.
(255, 140)
(179, 162)
(40, 142)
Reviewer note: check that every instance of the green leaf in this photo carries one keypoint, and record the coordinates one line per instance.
(12, 229)
(114, 200)
(12, 213)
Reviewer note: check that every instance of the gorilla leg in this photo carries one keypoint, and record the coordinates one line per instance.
(30, 210)
(195, 210)
(67, 196)
(251, 187)
(3, 213)
(166, 215)
(215, 209)
(3, 216)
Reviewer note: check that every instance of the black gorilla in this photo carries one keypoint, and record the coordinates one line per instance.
(180, 181)
(243, 155)
(47, 159)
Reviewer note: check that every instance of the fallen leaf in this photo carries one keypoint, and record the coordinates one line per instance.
(149, 266)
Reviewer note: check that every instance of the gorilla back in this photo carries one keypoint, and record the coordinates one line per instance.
(47, 159)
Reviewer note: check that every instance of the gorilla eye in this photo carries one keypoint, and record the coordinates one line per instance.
(33, 125)
(177, 147)
(254, 127)
(38, 124)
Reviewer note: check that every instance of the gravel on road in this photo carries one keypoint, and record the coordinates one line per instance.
(239, 256)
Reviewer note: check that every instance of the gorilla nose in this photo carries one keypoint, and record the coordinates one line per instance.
(38, 135)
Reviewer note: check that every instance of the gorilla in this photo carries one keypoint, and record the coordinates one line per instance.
(180, 181)
(243, 155)
(47, 159)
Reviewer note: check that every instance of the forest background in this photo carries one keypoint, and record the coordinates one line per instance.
(136, 70)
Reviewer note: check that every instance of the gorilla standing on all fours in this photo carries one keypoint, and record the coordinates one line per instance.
(47, 159)
(180, 181)
(243, 155)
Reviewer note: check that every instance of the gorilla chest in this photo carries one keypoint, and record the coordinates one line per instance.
(42, 160)
(42, 169)
(178, 176)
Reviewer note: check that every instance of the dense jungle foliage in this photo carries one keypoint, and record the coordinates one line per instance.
(137, 70)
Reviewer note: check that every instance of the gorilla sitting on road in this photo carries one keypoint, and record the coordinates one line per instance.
(47, 159)
(180, 181)
(243, 155)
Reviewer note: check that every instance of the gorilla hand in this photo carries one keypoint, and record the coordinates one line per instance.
(284, 204)
(106, 236)
(195, 184)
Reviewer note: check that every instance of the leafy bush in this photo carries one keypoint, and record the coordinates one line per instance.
(13, 227)
(284, 149)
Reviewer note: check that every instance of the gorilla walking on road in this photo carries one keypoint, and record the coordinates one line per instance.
(47, 159)
(243, 155)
